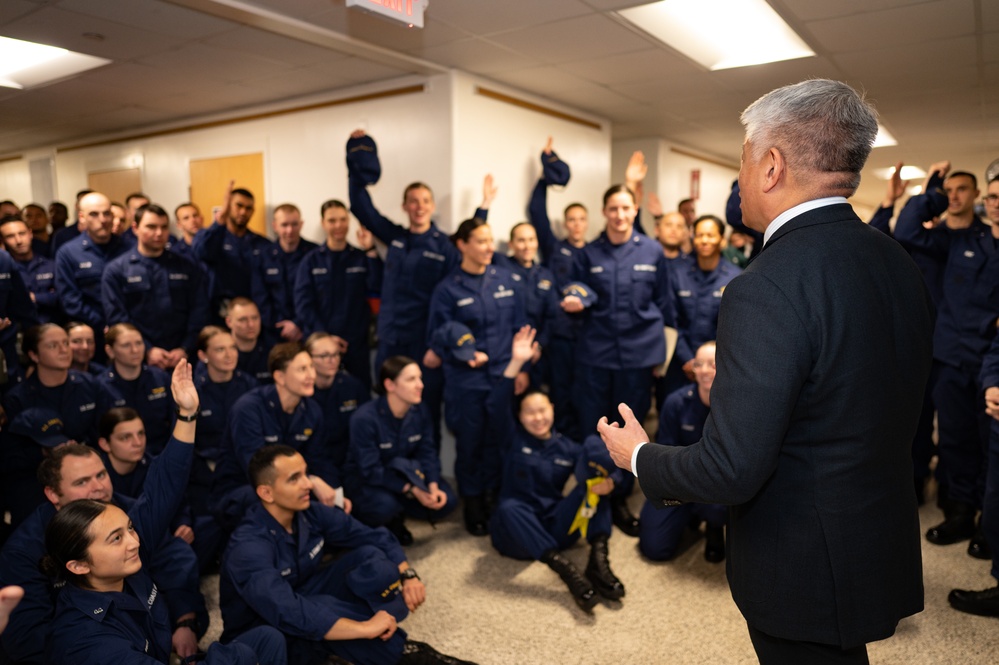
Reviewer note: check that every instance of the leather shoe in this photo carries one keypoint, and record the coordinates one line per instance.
(952, 530)
(623, 517)
(397, 526)
(979, 547)
(983, 603)
(421, 653)
(714, 544)
(476, 521)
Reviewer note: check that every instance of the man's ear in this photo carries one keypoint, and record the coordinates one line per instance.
(774, 169)
(52, 496)
(78, 567)
(266, 493)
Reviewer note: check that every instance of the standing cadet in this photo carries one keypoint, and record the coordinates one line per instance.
(271, 575)
(968, 253)
(274, 270)
(17, 311)
(622, 332)
(80, 265)
(189, 221)
(332, 287)
(160, 292)
(243, 319)
(142, 387)
(229, 248)
(487, 300)
(393, 469)
(37, 220)
(559, 257)
(37, 270)
(532, 519)
(681, 422)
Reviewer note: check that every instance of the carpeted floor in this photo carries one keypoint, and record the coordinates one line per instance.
(498, 611)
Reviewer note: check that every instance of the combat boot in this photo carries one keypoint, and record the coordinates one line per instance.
(598, 571)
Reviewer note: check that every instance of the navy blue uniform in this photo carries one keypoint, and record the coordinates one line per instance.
(257, 420)
(990, 502)
(80, 402)
(338, 404)
(64, 235)
(492, 306)
(274, 578)
(272, 282)
(254, 363)
(541, 305)
(965, 326)
(622, 335)
(532, 516)
(150, 395)
(79, 267)
(25, 637)
(164, 297)
(229, 259)
(39, 278)
(376, 438)
(681, 421)
(16, 305)
(331, 295)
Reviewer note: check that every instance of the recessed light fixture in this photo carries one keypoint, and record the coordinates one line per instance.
(908, 173)
(720, 34)
(27, 64)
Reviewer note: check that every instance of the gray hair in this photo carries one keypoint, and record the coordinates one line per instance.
(818, 125)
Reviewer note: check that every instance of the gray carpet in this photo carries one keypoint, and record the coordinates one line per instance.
(498, 611)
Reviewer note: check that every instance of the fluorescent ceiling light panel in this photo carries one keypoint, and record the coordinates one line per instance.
(26, 64)
(884, 138)
(720, 34)
(908, 173)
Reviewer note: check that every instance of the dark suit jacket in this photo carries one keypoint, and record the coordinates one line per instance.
(823, 353)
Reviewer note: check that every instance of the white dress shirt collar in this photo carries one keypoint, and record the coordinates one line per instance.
(799, 209)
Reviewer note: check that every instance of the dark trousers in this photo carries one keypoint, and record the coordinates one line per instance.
(662, 528)
(777, 651)
(963, 428)
(561, 354)
(990, 504)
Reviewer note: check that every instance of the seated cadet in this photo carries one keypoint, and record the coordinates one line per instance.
(339, 395)
(533, 520)
(109, 609)
(332, 288)
(681, 420)
(78, 398)
(280, 413)
(272, 281)
(272, 576)
(228, 247)
(219, 385)
(74, 472)
(148, 282)
(37, 269)
(140, 386)
(393, 468)
(26, 440)
(243, 319)
(83, 346)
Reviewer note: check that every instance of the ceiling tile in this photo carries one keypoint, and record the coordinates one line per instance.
(486, 17)
(215, 63)
(927, 21)
(475, 55)
(810, 10)
(574, 39)
(152, 15)
(637, 65)
(276, 48)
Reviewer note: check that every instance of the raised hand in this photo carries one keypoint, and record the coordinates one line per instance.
(488, 191)
(185, 395)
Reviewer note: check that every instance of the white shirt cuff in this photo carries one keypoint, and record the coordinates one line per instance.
(634, 458)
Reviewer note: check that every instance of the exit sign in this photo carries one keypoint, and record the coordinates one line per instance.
(407, 12)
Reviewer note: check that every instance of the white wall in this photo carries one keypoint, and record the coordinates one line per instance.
(15, 182)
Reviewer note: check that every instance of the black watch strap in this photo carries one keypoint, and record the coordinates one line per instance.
(187, 419)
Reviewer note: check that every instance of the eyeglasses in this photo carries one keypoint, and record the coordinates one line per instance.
(703, 364)
(325, 356)
(992, 198)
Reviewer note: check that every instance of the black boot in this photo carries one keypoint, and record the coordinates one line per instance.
(421, 653)
(599, 572)
(714, 544)
(979, 546)
(397, 525)
(581, 591)
(959, 524)
(476, 519)
(623, 517)
(983, 603)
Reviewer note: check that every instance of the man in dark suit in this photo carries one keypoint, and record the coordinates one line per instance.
(823, 353)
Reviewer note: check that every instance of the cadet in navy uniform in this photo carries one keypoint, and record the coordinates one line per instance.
(967, 313)
(272, 574)
(393, 469)
(332, 287)
(281, 413)
(80, 265)
(272, 284)
(146, 389)
(16, 307)
(417, 259)
(541, 299)
(681, 421)
(532, 519)
(75, 472)
(161, 293)
(189, 221)
(228, 248)
(25, 440)
(697, 287)
(83, 347)
(489, 301)
(78, 398)
(37, 270)
(622, 339)
(243, 319)
(339, 395)
(559, 256)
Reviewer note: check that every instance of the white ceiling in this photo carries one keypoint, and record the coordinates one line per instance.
(930, 66)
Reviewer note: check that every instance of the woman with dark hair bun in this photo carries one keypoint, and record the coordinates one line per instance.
(110, 611)
(486, 303)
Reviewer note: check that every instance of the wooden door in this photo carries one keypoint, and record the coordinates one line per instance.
(210, 177)
(116, 185)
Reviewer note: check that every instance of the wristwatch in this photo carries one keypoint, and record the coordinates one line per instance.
(409, 574)
(187, 419)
